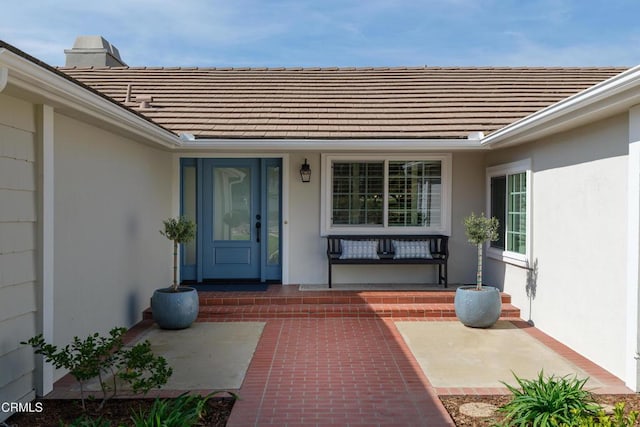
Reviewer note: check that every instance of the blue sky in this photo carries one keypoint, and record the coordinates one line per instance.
(272, 33)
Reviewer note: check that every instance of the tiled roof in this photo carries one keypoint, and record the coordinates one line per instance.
(335, 103)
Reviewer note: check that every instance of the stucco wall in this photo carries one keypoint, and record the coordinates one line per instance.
(18, 230)
(111, 195)
(308, 259)
(579, 186)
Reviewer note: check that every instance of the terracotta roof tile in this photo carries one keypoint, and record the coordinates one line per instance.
(380, 102)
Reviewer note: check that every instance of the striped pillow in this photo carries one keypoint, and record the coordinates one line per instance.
(411, 249)
(359, 249)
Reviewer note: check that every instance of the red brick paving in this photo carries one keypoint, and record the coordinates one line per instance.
(340, 372)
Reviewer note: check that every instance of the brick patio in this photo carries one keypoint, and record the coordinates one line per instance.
(328, 363)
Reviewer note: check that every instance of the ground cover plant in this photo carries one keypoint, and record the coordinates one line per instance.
(545, 401)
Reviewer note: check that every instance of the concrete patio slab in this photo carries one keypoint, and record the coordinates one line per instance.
(452, 355)
(207, 355)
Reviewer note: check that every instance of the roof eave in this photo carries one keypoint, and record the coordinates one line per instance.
(612, 96)
(346, 144)
(17, 71)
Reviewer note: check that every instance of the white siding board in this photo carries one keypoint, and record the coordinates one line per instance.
(17, 300)
(15, 330)
(17, 113)
(17, 174)
(17, 144)
(18, 248)
(17, 206)
(17, 237)
(16, 364)
(17, 268)
(20, 390)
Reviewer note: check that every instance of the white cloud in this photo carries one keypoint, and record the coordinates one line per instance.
(328, 32)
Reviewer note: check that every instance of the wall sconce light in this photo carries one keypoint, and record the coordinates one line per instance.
(305, 172)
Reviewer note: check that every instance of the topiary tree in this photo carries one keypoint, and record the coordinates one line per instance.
(178, 230)
(480, 229)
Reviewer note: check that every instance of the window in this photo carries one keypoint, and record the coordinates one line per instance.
(386, 194)
(509, 188)
(358, 192)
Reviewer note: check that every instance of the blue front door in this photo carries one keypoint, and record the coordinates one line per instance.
(231, 219)
(236, 204)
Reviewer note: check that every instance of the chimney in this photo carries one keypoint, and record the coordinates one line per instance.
(93, 51)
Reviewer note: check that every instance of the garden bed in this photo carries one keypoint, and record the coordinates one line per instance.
(117, 411)
(453, 404)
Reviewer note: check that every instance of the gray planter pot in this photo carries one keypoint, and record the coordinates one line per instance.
(175, 310)
(478, 309)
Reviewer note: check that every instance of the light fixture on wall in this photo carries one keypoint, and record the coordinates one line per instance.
(305, 172)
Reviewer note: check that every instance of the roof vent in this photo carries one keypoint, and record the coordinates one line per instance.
(144, 100)
(93, 51)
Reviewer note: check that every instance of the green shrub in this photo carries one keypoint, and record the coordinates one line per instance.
(548, 401)
(97, 356)
(618, 419)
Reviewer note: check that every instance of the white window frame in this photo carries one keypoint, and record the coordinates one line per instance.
(522, 166)
(326, 190)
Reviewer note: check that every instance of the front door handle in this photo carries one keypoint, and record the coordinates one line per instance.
(258, 226)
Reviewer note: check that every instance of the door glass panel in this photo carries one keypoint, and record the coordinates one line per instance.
(273, 215)
(231, 203)
(189, 209)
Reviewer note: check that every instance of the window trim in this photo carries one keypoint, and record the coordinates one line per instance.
(326, 190)
(521, 166)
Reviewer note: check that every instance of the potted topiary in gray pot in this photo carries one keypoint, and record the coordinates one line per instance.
(479, 306)
(176, 307)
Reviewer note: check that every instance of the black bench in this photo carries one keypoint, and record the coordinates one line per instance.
(384, 250)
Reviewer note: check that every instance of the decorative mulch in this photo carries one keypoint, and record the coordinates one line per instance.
(117, 411)
(458, 407)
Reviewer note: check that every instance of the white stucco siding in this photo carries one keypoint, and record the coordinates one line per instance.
(18, 246)
(307, 249)
(111, 195)
(578, 240)
(468, 196)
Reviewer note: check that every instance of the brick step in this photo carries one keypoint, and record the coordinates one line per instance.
(395, 311)
(335, 297)
(318, 311)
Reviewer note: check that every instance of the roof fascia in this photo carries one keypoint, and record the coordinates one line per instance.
(4, 77)
(595, 102)
(26, 75)
(214, 144)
